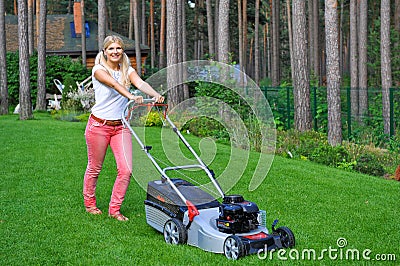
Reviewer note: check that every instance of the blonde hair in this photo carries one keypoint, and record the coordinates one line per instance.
(124, 64)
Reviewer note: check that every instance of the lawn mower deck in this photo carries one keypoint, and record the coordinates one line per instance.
(219, 228)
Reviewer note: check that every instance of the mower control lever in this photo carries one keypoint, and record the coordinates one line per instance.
(147, 148)
(274, 224)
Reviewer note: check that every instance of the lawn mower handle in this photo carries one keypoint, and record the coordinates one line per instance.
(151, 102)
(145, 100)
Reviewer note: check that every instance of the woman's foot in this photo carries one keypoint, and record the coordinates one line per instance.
(93, 210)
(118, 216)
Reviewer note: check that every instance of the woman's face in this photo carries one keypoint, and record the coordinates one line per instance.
(114, 53)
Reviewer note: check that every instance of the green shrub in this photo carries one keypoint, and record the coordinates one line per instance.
(228, 96)
(314, 146)
(368, 164)
(13, 78)
(57, 67)
(347, 165)
(65, 115)
(83, 117)
(206, 127)
(69, 86)
(298, 143)
(152, 119)
(330, 156)
(67, 102)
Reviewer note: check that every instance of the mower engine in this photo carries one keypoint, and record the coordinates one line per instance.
(237, 215)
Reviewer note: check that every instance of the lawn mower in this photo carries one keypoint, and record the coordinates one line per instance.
(186, 214)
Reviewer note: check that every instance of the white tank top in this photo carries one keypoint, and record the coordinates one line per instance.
(109, 103)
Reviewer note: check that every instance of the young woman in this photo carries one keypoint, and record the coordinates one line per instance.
(112, 76)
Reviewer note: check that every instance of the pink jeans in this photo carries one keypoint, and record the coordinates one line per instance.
(98, 137)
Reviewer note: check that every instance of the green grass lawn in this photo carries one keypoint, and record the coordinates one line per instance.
(43, 222)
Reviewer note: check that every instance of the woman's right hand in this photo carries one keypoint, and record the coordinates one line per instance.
(137, 99)
(159, 99)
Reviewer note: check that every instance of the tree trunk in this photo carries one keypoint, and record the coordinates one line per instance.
(143, 23)
(223, 31)
(31, 31)
(333, 73)
(362, 59)
(201, 32)
(137, 37)
(265, 57)
(310, 34)
(386, 70)
(3, 63)
(240, 41)
(131, 17)
(341, 38)
(179, 43)
(250, 59)
(397, 15)
(179, 37)
(397, 22)
(161, 62)
(184, 34)
(41, 91)
(216, 23)
(353, 58)
(152, 38)
(268, 50)
(316, 56)
(301, 82)
(83, 38)
(290, 38)
(275, 64)
(244, 32)
(256, 44)
(210, 29)
(24, 77)
(102, 27)
(184, 52)
(172, 54)
(196, 34)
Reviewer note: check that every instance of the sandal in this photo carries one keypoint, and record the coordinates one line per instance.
(93, 210)
(118, 216)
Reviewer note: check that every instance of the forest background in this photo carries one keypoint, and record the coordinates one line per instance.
(330, 45)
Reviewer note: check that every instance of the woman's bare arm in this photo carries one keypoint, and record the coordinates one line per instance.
(144, 86)
(105, 78)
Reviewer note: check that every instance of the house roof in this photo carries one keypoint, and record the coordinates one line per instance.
(60, 40)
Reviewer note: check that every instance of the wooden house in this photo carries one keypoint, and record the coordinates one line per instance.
(63, 40)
